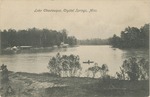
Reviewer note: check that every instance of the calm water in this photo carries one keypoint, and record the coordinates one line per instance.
(38, 62)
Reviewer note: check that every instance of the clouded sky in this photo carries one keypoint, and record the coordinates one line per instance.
(110, 16)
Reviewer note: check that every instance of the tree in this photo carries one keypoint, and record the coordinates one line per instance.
(64, 65)
(132, 37)
(35, 37)
(6, 87)
(144, 69)
(104, 70)
(95, 69)
(54, 66)
(134, 69)
(71, 40)
(145, 35)
(64, 34)
(115, 41)
(74, 64)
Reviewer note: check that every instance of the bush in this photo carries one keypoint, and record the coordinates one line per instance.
(134, 69)
(97, 69)
(64, 65)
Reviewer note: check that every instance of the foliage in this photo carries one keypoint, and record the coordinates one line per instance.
(144, 68)
(72, 40)
(132, 37)
(134, 70)
(97, 69)
(35, 37)
(5, 85)
(64, 65)
(104, 70)
(95, 41)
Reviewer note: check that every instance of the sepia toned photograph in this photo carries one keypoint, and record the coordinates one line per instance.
(74, 48)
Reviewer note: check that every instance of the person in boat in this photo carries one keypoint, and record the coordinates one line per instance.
(89, 62)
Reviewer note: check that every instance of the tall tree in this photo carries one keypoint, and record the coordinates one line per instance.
(132, 37)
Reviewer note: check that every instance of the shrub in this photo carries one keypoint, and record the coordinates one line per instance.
(64, 65)
(134, 69)
(95, 69)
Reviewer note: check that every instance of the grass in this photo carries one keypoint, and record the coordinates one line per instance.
(48, 85)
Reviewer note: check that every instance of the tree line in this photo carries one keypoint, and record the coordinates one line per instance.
(35, 37)
(94, 41)
(132, 37)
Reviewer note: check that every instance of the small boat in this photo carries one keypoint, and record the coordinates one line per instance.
(88, 62)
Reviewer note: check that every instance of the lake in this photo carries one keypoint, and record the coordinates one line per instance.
(105, 54)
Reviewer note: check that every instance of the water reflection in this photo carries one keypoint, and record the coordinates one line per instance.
(38, 62)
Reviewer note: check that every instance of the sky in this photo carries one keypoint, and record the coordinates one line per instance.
(109, 16)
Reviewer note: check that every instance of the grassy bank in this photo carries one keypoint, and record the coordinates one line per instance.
(47, 85)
